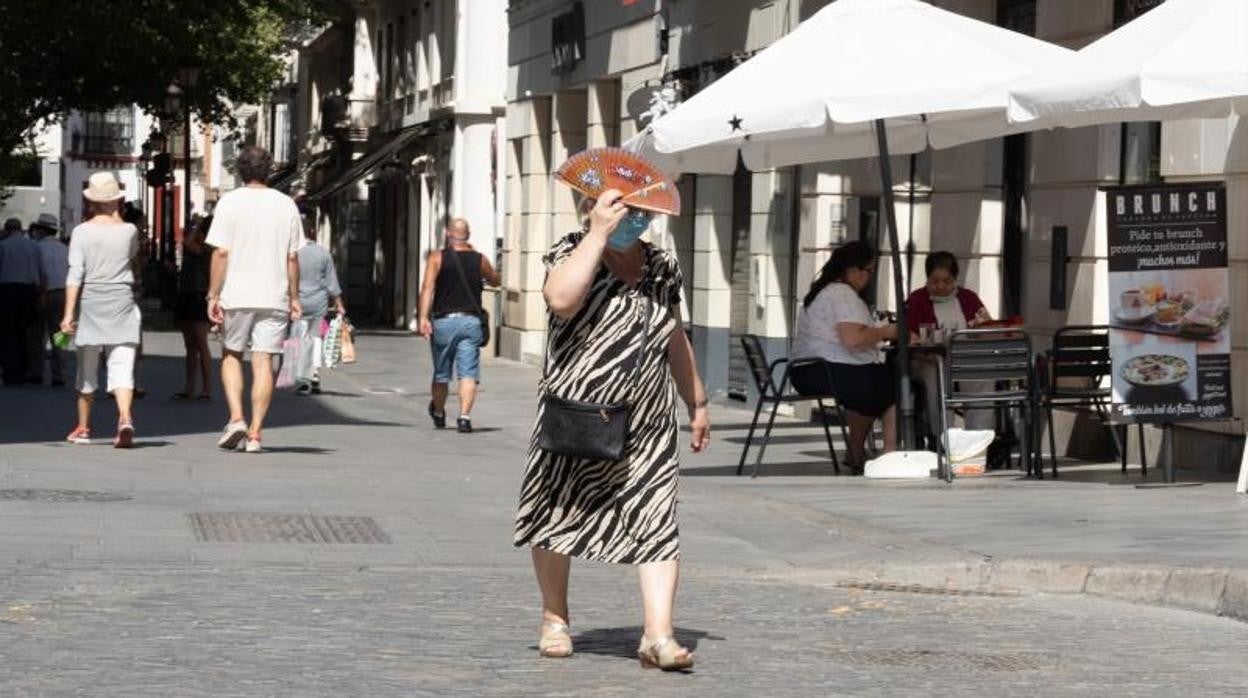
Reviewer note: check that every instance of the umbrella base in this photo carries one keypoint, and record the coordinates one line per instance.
(902, 465)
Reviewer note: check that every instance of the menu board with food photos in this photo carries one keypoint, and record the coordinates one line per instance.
(1169, 293)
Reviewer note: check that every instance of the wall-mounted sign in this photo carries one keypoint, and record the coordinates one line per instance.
(1169, 297)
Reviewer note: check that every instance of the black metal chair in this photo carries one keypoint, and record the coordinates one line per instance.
(1002, 358)
(1077, 370)
(769, 392)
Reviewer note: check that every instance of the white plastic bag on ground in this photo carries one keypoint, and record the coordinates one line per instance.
(968, 444)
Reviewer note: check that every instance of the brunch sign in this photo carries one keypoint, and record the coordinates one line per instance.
(1169, 312)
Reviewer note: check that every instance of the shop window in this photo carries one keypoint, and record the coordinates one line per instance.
(28, 172)
(1017, 15)
(1127, 10)
(389, 53)
(402, 48)
(446, 42)
(567, 36)
(869, 232)
(380, 51)
(1140, 154)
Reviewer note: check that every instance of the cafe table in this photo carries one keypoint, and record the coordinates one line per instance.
(934, 349)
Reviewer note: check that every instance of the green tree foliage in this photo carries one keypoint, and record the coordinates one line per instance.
(61, 55)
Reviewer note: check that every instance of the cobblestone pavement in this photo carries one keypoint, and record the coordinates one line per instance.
(105, 588)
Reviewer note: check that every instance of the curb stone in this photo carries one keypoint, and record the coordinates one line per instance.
(1220, 592)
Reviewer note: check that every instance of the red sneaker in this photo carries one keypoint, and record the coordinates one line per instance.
(80, 436)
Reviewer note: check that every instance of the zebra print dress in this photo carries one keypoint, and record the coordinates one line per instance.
(625, 511)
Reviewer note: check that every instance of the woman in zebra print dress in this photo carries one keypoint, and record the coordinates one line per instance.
(601, 282)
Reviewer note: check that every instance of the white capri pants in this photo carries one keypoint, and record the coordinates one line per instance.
(120, 362)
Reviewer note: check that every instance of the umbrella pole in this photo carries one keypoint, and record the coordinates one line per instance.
(905, 394)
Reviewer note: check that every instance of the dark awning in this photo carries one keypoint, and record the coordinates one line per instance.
(370, 161)
(284, 180)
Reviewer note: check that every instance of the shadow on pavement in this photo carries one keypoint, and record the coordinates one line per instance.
(41, 414)
(783, 439)
(622, 641)
(792, 469)
(308, 450)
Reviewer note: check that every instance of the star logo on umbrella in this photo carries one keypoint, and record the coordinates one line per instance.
(735, 123)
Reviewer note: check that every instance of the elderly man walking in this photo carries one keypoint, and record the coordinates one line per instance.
(54, 258)
(253, 291)
(451, 317)
(21, 285)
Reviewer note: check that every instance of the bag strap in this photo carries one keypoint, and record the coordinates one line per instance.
(463, 278)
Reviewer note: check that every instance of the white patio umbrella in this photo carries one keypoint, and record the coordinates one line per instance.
(1182, 59)
(859, 78)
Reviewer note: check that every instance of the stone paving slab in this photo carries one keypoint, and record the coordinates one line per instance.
(199, 630)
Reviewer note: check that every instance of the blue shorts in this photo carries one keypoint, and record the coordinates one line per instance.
(456, 345)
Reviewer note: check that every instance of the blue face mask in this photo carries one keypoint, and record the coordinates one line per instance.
(629, 229)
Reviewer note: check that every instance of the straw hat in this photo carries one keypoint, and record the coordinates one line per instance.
(102, 187)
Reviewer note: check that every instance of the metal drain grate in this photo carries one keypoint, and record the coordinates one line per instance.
(62, 496)
(918, 589)
(286, 528)
(937, 659)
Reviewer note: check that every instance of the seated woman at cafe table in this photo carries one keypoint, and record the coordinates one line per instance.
(943, 303)
(837, 326)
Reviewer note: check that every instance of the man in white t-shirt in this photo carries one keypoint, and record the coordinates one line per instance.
(256, 232)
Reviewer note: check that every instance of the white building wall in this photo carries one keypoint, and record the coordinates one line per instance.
(26, 203)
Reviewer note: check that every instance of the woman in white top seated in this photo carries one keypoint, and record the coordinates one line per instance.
(837, 326)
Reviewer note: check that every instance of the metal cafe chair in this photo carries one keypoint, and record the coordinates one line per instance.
(1002, 358)
(769, 392)
(1077, 370)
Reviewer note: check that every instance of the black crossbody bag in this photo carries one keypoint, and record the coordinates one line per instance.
(481, 312)
(590, 430)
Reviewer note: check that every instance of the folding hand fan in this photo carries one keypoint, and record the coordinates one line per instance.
(592, 172)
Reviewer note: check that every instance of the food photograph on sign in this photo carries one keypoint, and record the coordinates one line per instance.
(1187, 303)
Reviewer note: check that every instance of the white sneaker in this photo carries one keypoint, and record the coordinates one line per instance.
(234, 433)
(253, 444)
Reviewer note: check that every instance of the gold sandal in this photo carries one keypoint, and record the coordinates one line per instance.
(665, 654)
(555, 641)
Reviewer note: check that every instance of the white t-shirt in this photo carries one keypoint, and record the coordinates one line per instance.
(261, 230)
(949, 314)
(816, 335)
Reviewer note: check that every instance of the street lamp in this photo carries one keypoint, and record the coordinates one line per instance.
(187, 78)
(168, 252)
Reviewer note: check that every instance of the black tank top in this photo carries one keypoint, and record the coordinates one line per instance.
(449, 294)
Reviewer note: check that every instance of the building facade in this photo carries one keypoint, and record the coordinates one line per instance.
(38, 189)
(583, 74)
(394, 112)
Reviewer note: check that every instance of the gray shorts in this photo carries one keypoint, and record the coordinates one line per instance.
(255, 329)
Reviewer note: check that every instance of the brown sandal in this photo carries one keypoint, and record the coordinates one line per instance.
(555, 642)
(664, 653)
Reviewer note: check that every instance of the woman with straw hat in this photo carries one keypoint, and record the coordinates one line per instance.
(99, 304)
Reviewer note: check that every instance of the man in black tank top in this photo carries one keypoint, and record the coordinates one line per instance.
(450, 317)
